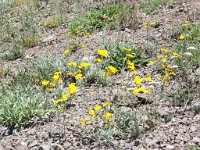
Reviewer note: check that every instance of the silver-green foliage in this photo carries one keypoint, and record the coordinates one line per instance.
(20, 104)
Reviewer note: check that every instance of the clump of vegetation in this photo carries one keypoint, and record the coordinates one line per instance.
(16, 52)
(109, 124)
(52, 83)
(194, 147)
(19, 106)
(150, 6)
(111, 16)
(29, 41)
(5, 71)
(53, 22)
(120, 53)
(95, 76)
(186, 42)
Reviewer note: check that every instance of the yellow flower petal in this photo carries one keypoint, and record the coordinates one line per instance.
(138, 80)
(45, 82)
(72, 88)
(97, 107)
(182, 37)
(107, 115)
(103, 52)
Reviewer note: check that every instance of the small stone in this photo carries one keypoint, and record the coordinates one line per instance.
(170, 147)
(57, 146)
(88, 58)
(10, 148)
(66, 145)
(196, 140)
(44, 147)
(197, 72)
(191, 48)
(137, 143)
(161, 111)
(127, 146)
(193, 128)
(151, 141)
(128, 30)
(49, 38)
(179, 137)
(1, 147)
(33, 144)
(31, 132)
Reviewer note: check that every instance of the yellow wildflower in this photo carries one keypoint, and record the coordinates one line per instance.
(83, 46)
(107, 115)
(74, 41)
(146, 26)
(66, 51)
(84, 64)
(106, 125)
(69, 73)
(60, 81)
(72, 64)
(138, 80)
(182, 37)
(176, 54)
(162, 58)
(99, 60)
(134, 72)
(140, 90)
(83, 122)
(52, 84)
(131, 65)
(78, 76)
(153, 22)
(72, 88)
(103, 52)
(91, 113)
(58, 72)
(112, 69)
(61, 100)
(127, 49)
(159, 57)
(86, 35)
(131, 55)
(63, 110)
(45, 82)
(165, 50)
(108, 74)
(186, 23)
(37, 81)
(66, 96)
(78, 31)
(106, 104)
(69, 33)
(166, 79)
(149, 78)
(97, 107)
(151, 63)
(172, 73)
(150, 91)
(56, 76)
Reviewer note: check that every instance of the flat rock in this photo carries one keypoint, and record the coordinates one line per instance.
(50, 38)
(196, 140)
(170, 147)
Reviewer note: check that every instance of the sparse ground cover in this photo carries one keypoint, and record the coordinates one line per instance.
(99, 75)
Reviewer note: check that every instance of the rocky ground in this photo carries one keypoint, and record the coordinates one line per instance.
(180, 133)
